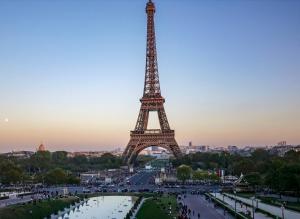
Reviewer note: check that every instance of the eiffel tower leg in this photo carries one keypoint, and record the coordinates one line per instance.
(134, 153)
(163, 121)
(176, 150)
(128, 151)
(142, 121)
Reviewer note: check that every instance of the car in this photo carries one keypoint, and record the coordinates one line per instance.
(86, 191)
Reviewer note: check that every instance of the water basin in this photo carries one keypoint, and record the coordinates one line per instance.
(108, 207)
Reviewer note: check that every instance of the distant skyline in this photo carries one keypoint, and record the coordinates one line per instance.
(72, 72)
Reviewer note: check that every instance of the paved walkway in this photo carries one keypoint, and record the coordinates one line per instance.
(277, 211)
(206, 209)
(240, 207)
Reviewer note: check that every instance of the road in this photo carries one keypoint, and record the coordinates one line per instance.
(199, 205)
(143, 177)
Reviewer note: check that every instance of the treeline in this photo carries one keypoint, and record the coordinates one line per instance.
(261, 169)
(52, 168)
(185, 172)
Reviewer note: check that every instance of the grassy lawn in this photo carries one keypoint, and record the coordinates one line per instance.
(158, 206)
(38, 210)
(294, 206)
(245, 194)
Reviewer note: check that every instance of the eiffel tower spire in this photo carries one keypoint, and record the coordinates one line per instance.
(152, 100)
(151, 87)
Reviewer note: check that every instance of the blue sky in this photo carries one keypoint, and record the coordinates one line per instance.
(72, 71)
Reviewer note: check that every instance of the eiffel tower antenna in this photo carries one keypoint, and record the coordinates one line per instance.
(141, 137)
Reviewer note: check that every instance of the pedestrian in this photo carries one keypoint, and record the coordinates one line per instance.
(198, 215)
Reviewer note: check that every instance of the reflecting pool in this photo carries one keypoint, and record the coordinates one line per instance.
(103, 207)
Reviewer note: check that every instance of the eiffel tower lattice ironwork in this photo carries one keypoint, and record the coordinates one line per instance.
(152, 100)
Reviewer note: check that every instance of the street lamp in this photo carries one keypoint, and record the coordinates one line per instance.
(256, 203)
(224, 203)
(253, 208)
(234, 203)
(282, 211)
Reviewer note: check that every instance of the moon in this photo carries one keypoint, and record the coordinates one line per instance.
(6, 120)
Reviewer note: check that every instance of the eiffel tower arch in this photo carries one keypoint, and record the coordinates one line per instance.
(152, 100)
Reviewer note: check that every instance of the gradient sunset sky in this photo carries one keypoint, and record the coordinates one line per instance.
(72, 72)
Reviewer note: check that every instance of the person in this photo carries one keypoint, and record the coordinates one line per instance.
(198, 215)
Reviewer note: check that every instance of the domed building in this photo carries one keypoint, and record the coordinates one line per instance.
(41, 148)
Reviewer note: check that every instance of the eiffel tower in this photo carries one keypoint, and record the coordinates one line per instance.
(141, 137)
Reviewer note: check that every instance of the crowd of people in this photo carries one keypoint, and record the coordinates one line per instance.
(185, 212)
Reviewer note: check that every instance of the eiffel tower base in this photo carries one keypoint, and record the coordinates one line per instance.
(140, 141)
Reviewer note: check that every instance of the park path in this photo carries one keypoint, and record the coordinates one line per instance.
(206, 209)
(277, 211)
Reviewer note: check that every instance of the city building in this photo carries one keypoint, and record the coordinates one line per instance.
(86, 153)
(281, 150)
(19, 154)
(232, 149)
(103, 177)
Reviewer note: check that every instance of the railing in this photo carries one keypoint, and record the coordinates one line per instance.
(152, 131)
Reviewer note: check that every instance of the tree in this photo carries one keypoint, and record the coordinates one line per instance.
(40, 161)
(213, 177)
(184, 172)
(253, 178)
(56, 176)
(79, 160)
(292, 156)
(59, 156)
(198, 175)
(243, 166)
(289, 177)
(73, 180)
(10, 173)
(272, 179)
(260, 154)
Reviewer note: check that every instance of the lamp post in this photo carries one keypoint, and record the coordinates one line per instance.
(253, 210)
(256, 203)
(234, 203)
(282, 211)
(224, 203)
